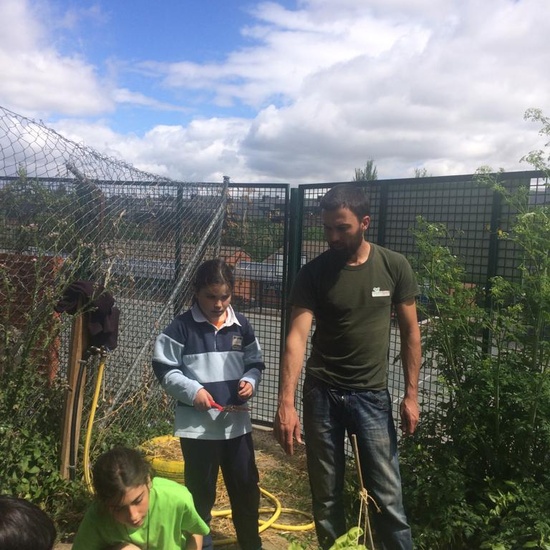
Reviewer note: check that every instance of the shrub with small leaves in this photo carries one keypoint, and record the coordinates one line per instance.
(475, 475)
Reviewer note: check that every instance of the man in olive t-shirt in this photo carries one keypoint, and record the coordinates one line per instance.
(350, 290)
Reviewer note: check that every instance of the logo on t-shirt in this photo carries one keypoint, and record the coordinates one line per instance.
(377, 293)
(237, 343)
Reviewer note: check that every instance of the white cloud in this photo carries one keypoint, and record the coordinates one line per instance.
(125, 96)
(206, 150)
(21, 32)
(289, 47)
(38, 79)
(453, 100)
(409, 83)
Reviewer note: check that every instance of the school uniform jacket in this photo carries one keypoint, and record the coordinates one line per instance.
(190, 354)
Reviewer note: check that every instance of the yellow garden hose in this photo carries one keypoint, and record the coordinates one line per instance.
(276, 511)
(271, 522)
(87, 441)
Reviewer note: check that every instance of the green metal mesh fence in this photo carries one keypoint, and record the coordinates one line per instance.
(257, 225)
(475, 216)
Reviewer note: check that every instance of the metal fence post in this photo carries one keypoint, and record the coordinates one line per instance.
(382, 214)
(295, 215)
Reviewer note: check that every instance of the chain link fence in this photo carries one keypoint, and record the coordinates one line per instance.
(69, 214)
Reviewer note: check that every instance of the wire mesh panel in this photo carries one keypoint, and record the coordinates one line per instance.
(465, 208)
(255, 230)
(310, 243)
(475, 217)
(179, 228)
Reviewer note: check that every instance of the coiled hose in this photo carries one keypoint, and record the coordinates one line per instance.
(276, 510)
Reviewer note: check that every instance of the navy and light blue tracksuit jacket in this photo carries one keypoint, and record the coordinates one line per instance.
(190, 354)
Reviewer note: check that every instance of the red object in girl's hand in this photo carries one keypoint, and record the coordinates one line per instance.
(229, 408)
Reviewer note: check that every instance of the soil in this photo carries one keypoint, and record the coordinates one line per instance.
(285, 478)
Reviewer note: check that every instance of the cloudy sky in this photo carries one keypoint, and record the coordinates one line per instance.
(286, 91)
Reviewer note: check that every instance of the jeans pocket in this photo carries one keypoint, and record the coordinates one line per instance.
(311, 388)
(379, 400)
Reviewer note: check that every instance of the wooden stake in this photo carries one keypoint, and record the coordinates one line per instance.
(357, 461)
(77, 347)
(363, 494)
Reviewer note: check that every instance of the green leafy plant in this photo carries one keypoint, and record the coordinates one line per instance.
(475, 475)
(348, 541)
(30, 413)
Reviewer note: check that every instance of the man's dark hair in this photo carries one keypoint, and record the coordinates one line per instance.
(347, 195)
(24, 526)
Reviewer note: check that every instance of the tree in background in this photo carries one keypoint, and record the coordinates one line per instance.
(421, 173)
(370, 172)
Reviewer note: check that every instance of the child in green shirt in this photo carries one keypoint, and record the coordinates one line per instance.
(133, 510)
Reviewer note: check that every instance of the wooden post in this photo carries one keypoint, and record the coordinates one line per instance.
(77, 347)
(357, 461)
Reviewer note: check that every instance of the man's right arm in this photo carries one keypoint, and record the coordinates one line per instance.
(286, 425)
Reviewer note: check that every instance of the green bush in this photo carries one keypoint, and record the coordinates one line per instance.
(30, 417)
(476, 473)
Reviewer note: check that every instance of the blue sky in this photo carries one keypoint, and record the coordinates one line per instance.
(284, 91)
(138, 39)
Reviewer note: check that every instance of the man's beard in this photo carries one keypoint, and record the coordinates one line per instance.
(341, 255)
(345, 253)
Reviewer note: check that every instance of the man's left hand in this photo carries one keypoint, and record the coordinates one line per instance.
(410, 415)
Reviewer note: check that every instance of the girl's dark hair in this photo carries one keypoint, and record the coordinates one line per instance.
(116, 471)
(214, 272)
(24, 526)
(347, 195)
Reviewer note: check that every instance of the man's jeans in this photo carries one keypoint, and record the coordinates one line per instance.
(330, 412)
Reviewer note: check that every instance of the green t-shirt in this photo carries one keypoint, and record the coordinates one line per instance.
(171, 515)
(352, 308)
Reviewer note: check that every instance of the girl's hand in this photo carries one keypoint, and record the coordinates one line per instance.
(202, 400)
(245, 390)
